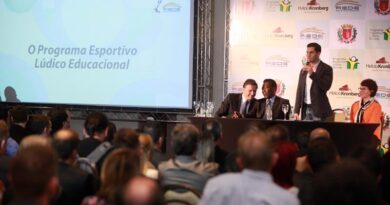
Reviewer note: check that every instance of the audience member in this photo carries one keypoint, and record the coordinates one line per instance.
(18, 120)
(33, 175)
(184, 169)
(38, 125)
(302, 162)
(321, 152)
(254, 184)
(96, 128)
(346, 183)
(111, 131)
(142, 191)
(385, 181)
(35, 140)
(75, 183)
(11, 146)
(59, 118)
(369, 157)
(120, 166)
(319, 133)
(155, 130)
(208, 149)
(284, 168)
(146, 143)
(4, 161)
(278, 132)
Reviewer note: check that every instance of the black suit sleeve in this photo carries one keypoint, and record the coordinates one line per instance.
(323, 79)
(224, 108)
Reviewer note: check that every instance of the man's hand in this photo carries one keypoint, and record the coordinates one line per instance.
(296, 116)
(308, 68)
(236, 115)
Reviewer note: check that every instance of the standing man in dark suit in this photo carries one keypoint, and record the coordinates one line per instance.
(270, 99)
(315, 79)
(240, 105)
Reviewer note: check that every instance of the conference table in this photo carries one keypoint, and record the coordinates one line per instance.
(346, 136)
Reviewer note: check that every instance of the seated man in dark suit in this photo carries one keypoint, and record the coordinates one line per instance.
(76, 184)
(272, 101)
(240, 105)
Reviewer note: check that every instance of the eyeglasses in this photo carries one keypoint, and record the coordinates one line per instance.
(363, 88)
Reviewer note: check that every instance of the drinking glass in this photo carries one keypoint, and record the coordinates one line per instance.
(285, 108)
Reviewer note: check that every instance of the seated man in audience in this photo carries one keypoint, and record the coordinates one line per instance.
(320, 153)
(240, 105)
(271, 103)
(254, 184)
(302, 162)
(96, 129)
(60, 119)
(39, 125)
(75, 183)
(33, 175)
(184, 169)
(155, 130)
(213, 129)
(18, 117)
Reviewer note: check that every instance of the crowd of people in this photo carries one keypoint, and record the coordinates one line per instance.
(43, 161)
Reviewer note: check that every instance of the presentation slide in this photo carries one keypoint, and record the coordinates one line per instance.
(126, 53)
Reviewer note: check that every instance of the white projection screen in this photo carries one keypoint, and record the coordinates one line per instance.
(119, 53)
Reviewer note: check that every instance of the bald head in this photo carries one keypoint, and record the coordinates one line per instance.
(35, 140)
(319, 133)
(255, 151)
(141, 190)
(65, 143)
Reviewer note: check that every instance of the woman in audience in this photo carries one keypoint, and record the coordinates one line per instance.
(283, 171)
(367, 109)
(118, 168)
(148, 169)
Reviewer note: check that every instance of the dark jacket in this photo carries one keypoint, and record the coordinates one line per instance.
(232, 103)
(322, 81)
(277, 112)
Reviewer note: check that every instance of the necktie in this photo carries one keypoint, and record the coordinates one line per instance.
(244, 107)
(268, 109)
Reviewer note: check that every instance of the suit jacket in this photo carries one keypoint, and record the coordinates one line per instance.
(277, 112)
(75, 185)
(322, 81)
(232, 103)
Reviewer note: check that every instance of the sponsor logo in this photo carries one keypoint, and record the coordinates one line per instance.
(167, 7)
(347, 33)
(379, 34)
(344, 91)
(347, 6)
(383, 92)
(344, 88)
(382, 7)
(386, 34)
(285, 6)
(278, 33)
(352, 63)
(313, 7)
(276, 61)
(280, 88)
(380, 65)
(311, 33)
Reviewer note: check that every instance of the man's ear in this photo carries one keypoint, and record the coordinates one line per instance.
(53, 187)
(239, 163)
(275, 157)
(85, 133)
